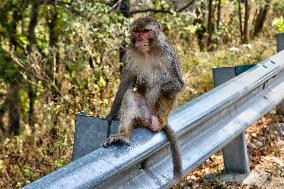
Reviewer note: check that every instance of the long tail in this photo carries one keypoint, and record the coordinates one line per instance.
(177, 163)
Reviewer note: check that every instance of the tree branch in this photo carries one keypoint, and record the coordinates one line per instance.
(150, 10)
(186, 6)
(169, 11)
(67, 6)
(115, 5)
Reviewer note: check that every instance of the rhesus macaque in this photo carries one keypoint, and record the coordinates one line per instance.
(151, 79)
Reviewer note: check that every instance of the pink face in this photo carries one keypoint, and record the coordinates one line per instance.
(142, 39)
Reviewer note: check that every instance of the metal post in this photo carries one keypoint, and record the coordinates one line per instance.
(236, 156)
(280, 42)
(234, 153)
(90, 133)
(280, 47)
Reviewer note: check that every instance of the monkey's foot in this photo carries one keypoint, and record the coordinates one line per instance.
(154, 124)
(116, 138)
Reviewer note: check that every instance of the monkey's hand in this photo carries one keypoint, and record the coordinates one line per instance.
(116, 138)
(154, 124)
(171, 88)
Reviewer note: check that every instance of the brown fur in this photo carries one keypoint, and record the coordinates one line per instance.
(151, 80)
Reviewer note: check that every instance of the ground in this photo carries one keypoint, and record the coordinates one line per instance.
(265, 141)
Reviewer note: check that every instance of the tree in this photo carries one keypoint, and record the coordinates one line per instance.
(210, 22)
(243, 25)
(247, 13)
(9, 71)
(219, 14)
(32, 89)
(261, 17)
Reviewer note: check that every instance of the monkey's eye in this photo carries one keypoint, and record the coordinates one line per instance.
(146, 30)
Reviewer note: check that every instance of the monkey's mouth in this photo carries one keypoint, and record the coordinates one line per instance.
(142, 46)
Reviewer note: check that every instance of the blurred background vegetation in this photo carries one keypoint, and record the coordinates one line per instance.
(59, 57)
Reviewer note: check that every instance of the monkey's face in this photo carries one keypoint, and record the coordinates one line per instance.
(144, 34)
(142, 38)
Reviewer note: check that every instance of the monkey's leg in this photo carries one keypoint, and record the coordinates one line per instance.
(148, 118)
(154, 124)
(163, 108)
(128, 113)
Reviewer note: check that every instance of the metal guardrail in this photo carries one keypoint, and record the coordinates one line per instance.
(203, 126)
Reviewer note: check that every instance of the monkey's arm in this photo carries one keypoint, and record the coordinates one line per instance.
(175, 83)
(127, 82)
(172, 88)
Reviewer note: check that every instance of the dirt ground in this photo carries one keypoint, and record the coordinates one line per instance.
(265, 140)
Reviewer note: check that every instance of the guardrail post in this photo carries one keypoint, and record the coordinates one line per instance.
(234, 153)
(236, 156)
(90, 133)
(280, 46)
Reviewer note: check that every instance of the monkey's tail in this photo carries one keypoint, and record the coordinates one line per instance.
(177, 163)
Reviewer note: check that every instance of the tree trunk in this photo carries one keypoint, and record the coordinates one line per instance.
(13, 108)
(32, 43)
(51, 23)
(219, 14)
(32, 97)
(201, 30)
(32, 24)
(2, 113)
(209, 22)
(260, 18)
(12, 98)
(245, 33)
(125, 10)
(13, 29)
(240, 18)
(53, 39)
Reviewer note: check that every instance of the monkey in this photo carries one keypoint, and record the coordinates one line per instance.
(151, 79)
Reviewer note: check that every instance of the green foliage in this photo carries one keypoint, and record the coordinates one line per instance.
(178, 26)
(59, 162)
(27, 171)
(80, 71)
(101, 33)
(278, 7)
(278, 23)
(24, 105)
(8, 67)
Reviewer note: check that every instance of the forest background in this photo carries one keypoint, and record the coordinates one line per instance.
(59, 57)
